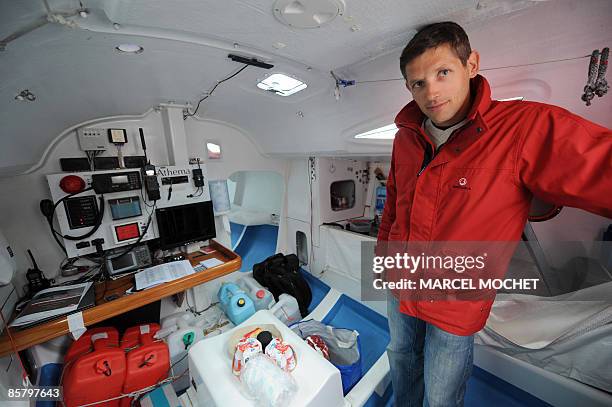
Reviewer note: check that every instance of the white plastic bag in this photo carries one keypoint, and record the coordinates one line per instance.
(267, 383)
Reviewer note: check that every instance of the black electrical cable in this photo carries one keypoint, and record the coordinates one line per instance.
(185, 116)
(102, 260)
(143, 197)
(47, 207)
(84, 277)
(170, 190)
(54, 234)
(95, 227)
(199, 191)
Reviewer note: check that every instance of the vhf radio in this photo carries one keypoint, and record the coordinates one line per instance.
(149, 175)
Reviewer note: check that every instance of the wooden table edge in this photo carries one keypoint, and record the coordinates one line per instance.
(28, 337)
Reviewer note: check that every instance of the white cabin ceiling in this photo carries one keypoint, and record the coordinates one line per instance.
(77, 76)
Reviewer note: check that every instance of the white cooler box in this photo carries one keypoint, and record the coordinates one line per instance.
(210, 370)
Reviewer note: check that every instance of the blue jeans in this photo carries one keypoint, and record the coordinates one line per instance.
(429, 367)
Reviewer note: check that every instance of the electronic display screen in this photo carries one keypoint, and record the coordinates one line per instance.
(179, 225)
(127, 232)
(119, 179)
(122, 262)
(117, 136)
(123, 208)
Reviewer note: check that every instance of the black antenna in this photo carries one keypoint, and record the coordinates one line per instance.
(33, 261)
(144, 145)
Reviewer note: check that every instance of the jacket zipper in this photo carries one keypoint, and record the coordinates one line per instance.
(428, 156)
(431, 152)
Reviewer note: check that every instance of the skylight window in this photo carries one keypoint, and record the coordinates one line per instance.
(282, 85)
(381, 133)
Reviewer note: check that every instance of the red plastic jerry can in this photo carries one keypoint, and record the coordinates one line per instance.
(146, 365)
(131, 337)
(95, 376)
(84, 344)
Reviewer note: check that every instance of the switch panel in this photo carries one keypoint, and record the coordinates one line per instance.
(82, 211)
(92, 139)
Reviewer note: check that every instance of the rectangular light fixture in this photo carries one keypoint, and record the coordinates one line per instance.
(381, 133)
(281, 85)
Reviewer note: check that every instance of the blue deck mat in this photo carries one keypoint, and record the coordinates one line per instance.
(257, 244)
(483, 390)
(236, 230)
(372, 327)
(319, 289)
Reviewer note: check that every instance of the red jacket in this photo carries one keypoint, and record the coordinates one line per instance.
(479, 185)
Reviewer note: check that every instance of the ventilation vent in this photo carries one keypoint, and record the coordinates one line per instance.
(307, 13)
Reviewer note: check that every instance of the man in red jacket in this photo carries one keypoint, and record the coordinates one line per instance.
(465, 168)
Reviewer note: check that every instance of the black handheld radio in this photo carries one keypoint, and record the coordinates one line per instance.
(149, 174)
(36, 279)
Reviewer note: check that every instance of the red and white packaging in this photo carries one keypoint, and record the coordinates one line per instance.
(245, 349)
(318, 344)
(282, 354)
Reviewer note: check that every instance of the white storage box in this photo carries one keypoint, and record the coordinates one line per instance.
(319, 382)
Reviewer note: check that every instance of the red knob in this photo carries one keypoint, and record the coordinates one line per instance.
(260, 294)
(71, 184)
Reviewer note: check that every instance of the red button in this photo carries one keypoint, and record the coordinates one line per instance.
(260, 294)
(71, 184)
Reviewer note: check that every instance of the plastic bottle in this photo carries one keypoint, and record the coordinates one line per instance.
(179, 343)
(235, 302)
(287, 309)
(381, 197)
(262, 298)
(169, 323)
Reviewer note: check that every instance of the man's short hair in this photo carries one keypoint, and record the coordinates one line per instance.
(433, 36)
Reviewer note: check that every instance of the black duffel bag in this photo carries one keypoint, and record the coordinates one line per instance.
(280, 275)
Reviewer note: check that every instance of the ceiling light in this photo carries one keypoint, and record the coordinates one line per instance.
(129, 48)
(282, 85)
(381, 133)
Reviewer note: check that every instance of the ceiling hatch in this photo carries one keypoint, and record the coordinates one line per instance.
(307, 13)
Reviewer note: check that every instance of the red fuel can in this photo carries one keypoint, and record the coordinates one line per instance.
(95, 376)
(84, 344)
(146, 365)
(131, 337)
